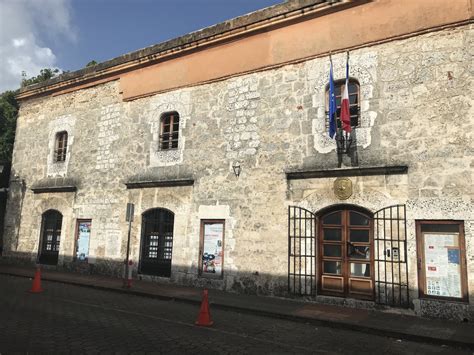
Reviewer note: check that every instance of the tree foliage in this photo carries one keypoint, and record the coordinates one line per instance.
(91, 63)
(8, 113)
(45, 74)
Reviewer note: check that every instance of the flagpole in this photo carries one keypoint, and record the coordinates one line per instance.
(332, 104)
(346, 83)
(335, 114)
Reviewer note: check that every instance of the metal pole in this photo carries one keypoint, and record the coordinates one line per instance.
(128, 253)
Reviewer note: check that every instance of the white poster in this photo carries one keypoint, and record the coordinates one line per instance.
(442, 265)
(83, 237)
(212, 249)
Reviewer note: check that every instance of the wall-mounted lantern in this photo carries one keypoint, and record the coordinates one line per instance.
(236, 168)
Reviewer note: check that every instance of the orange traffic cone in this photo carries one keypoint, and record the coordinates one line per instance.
(204, 318)
(36, 288)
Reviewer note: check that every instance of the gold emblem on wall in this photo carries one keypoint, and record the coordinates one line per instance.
(343, 188)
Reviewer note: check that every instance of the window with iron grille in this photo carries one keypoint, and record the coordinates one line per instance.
(354, 101)
(60, 146)
(169, 132)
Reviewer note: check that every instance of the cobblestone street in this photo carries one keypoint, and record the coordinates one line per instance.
(67, 318)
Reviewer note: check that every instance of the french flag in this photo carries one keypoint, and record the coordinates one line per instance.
(345, 112)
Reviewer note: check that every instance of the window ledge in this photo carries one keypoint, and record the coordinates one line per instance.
(370, 171)
(159, 183)
(41, 190)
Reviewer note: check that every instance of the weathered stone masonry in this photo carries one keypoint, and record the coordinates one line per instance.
(416, 110)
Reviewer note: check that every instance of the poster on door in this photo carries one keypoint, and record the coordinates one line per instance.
(442, 265)
(212, 251)
(83, 238)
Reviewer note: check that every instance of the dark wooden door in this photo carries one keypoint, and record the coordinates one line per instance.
(50, 237)
(346, 267)
(157, 242)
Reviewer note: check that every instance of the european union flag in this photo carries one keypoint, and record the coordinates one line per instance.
(332, 105)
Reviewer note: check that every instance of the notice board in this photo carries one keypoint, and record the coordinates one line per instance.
(442, 255)
(83, 233)
(212, 248)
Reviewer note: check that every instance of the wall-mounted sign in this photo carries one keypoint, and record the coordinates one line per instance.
(83, 233)
(442, 265)
(212, 248)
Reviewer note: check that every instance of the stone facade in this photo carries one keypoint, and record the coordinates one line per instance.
(416, 110)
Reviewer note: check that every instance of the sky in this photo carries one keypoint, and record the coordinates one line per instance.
(67, 34)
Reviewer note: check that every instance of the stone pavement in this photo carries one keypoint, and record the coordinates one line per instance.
(399, 326)
(70, 319)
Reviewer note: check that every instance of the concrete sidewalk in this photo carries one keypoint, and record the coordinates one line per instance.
(369, 321)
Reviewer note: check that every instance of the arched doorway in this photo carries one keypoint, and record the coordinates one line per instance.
(345, 247)
(332, 245)
(156, 242)
(50, 237)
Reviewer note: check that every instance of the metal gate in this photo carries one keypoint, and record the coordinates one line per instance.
(301, 252)
(390, 254)
(391, 269)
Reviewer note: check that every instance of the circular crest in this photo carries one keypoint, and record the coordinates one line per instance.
(343, 188)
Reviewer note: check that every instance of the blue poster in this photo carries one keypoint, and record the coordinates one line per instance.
(453, 256)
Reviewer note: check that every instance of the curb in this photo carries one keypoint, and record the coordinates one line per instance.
(335, 324)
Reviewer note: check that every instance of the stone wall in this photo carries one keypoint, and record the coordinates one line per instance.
(416, 110)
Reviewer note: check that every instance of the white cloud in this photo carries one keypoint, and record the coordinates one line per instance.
(26, 26)
(19, 42)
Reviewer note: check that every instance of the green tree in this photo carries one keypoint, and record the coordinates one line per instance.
(45, 74)
(8, 113)
(91, 63)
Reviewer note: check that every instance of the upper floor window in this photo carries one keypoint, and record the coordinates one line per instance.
(60, 146)
(169, 131)
(354, 101)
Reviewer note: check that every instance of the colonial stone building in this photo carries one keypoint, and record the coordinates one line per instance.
(220, 141)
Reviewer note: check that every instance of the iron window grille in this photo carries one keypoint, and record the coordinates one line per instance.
(169, 131)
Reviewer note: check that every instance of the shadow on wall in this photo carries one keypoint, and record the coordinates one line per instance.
(4, 183)
(244, 283)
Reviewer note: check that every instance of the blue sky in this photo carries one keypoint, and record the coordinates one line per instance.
(67, 34)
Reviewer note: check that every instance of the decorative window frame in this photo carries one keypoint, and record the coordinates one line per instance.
(363, 68)
(167, 157)
(66, 124)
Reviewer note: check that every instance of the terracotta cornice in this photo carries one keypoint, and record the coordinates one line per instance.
(259, 21)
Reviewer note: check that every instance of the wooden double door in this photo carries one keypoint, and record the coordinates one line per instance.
(346, 262)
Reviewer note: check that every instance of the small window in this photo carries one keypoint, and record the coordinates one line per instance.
(354, 101)
(61, 146)
(169, 133)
